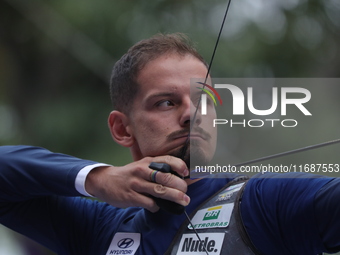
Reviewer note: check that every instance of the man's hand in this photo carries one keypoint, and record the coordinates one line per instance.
(131, 185)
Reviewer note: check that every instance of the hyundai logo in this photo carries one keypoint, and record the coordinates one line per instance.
(125, 243)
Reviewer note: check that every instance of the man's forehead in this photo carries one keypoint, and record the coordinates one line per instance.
(163, 61)
(171, 67)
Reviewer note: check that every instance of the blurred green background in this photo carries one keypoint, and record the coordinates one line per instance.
(56, 57)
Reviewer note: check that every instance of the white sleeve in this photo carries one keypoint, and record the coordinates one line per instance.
(81, 177)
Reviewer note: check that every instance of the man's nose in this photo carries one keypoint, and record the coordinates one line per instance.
(190, 114)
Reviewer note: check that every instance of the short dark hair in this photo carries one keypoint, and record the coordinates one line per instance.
(123, 85)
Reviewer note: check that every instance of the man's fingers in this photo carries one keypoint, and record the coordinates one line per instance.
(172, 181)
(171, 194)
(159, 190)
(176, 164)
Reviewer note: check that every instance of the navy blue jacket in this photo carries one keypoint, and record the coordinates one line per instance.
(282, 214)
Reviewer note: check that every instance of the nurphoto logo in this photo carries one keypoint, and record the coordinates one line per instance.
(239, 101)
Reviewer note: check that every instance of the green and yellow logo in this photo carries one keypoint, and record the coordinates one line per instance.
(212, 213)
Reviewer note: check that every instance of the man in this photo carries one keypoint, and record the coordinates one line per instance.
(150, 88)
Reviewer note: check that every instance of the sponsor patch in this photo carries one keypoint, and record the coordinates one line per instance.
(124, 243)
(210, 242)
(212, 217)
(228, 192)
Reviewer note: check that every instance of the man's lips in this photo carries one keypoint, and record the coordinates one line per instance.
(185, 133)
(192, 136)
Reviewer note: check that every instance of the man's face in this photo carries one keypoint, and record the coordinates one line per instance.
(163, 110)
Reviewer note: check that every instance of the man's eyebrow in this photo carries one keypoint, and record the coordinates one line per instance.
(162, 94)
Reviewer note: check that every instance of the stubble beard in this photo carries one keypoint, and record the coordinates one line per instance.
(192, 154)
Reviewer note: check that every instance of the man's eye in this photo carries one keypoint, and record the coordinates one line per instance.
(165, 104)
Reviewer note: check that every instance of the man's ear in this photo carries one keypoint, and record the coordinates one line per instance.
(120, 130)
